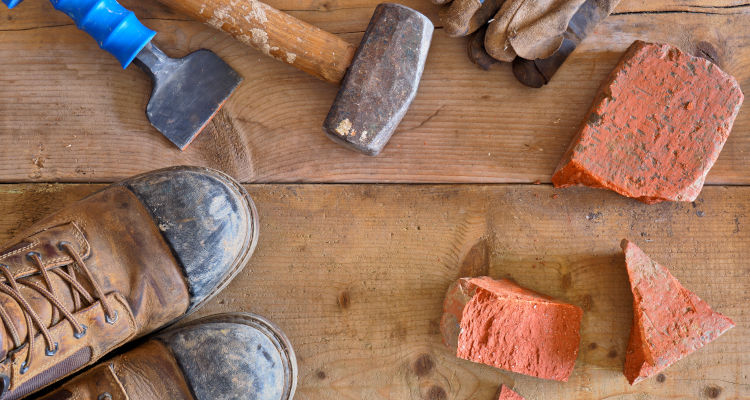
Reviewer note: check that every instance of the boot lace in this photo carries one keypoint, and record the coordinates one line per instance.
(67, 272)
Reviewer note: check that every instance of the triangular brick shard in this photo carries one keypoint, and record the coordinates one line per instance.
(506, 393)
(656, 127)
(501, 324)
(669, 322)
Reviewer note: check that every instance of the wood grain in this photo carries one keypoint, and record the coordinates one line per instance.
(69, 113)
(356, 274)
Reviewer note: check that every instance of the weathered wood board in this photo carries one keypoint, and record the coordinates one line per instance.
(69, 113)
(356, 274)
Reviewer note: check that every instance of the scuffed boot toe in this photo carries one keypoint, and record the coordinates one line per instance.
(234, 356)
(208, 220)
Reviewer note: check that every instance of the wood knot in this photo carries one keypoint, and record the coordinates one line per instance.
(712, 392)
(436, 393)
(434, 328)
(593, 346)
(661, 378)
(320, 374)
(612, 353)
(423, 365)
(344, 300)
(587, 302)
(326, 6)
(567, 281)
(708, 51)
(477, 260)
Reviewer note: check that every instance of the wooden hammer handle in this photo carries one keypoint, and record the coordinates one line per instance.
(274, 33)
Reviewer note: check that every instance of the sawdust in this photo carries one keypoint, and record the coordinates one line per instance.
(290, 57)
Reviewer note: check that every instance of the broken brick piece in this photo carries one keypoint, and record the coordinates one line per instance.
(498, 323)
(656, 127)
(669, 322)
(506, 393)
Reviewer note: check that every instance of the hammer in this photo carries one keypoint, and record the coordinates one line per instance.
(187, 92)
(378, 80)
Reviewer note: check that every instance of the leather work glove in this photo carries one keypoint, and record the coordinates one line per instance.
(529, 29)
(538, 72)
(463, 17)
(536, 35)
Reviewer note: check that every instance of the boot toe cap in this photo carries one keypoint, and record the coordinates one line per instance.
(234, 356)
(208, 220)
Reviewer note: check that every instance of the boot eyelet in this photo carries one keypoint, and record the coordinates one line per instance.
(82, 333)
(61, 245)
(52, 352)
(24, 368)
(113, 319)
(30, 255)
(4, 384)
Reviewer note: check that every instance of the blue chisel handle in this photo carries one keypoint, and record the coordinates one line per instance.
(114, 27)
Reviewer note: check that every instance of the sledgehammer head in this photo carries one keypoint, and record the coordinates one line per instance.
(382, 80)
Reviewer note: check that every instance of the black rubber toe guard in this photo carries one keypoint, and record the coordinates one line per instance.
(234, 356)
(208, 220)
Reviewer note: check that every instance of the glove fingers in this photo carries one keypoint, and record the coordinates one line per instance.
(538, 27)
(457, 16)
(527, 44)
(496, 40)
(485, 13)
(477, 54)
(536, 73)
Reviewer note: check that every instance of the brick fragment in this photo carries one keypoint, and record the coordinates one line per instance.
(506, 393)
(656, 127)
(669, 322)
(498, 323)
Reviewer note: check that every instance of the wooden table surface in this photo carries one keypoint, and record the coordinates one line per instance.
(355, 272)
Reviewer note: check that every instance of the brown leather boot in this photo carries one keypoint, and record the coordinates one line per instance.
(221, 357)
(115, 266)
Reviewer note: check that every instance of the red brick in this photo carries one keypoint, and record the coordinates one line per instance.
(669, 322)
(506, 393)
(656, 127)
(501, 324)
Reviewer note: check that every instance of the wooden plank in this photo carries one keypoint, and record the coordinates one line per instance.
(69, 113)
(338, 16)
(356, 274)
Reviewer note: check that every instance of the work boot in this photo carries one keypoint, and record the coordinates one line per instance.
(221, 357)
(115, 266)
